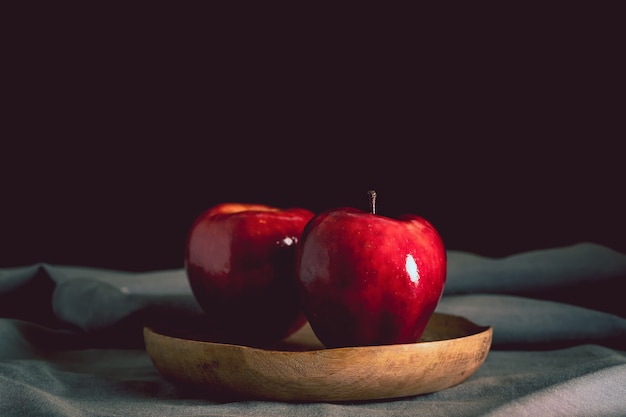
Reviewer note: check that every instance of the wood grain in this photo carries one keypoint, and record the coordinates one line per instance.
(301, 369)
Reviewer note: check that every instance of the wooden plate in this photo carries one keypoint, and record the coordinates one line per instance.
(301, 369)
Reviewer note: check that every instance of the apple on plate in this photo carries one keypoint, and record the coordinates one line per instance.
(240, 262)
(367, 279)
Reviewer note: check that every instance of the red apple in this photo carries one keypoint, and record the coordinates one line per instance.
(240, 262)
(368, 279)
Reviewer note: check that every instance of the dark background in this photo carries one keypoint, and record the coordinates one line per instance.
(504, 129)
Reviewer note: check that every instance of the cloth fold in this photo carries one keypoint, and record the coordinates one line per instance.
(71, 340)
(524, 323)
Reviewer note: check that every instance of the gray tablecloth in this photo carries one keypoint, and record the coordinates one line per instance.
(71, 341)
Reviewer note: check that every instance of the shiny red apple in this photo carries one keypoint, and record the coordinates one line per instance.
(240, 262)
(368, 279)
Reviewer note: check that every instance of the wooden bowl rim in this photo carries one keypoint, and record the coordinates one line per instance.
(476, 329)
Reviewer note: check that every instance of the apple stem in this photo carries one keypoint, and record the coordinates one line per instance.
(372, 199)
